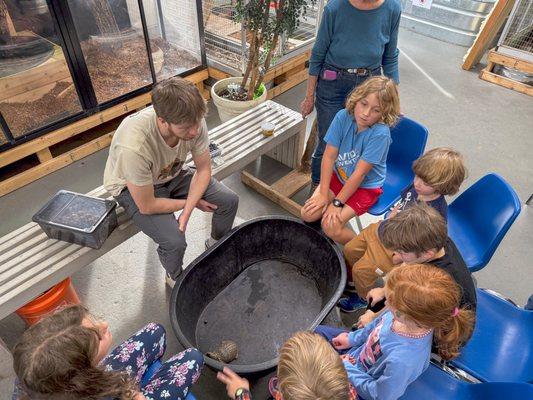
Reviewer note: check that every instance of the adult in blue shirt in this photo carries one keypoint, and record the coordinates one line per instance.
(356, 39)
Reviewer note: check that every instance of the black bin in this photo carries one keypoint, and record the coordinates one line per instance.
(265, 280)
(77, 218)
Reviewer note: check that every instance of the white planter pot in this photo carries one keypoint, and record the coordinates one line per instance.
(228, 109)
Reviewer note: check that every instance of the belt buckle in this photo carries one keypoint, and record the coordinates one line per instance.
(361, 71)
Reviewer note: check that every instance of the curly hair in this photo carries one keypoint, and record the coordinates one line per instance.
(430, 297)
(388, 97)
(55, 359)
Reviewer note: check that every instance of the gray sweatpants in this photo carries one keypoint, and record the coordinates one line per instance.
(163, 228)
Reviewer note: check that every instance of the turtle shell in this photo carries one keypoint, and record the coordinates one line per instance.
(227, 352)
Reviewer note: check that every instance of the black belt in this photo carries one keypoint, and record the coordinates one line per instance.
(360, 71)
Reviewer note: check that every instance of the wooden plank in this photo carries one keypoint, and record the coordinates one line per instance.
(510, 62)
(217, 74)
(17, 181)
(288, 84)
(286, 66)
(31, 147)
(44, 155)
(490, 27)
(199, 76)
(506, 82)
(267, 191)
(53, 70)
(291, 183)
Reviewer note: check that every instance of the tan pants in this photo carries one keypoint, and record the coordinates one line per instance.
(367, 259)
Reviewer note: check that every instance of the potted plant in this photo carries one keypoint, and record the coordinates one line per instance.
(264, 23)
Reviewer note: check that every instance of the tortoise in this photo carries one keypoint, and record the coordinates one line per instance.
(227, 352)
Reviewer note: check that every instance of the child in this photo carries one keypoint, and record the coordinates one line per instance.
(417, 235)
(308, 369)
(438, 172)
(63, 356)
(354, 162)
(387, 355)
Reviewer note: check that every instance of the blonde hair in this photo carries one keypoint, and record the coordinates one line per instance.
(387, 92)
(442, 168)
(310, 369)
(178, 101)
(430, 297)
(418, 229)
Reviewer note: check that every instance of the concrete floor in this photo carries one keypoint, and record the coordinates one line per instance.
(490, 125)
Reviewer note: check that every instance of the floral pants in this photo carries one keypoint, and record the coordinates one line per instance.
(135, 355)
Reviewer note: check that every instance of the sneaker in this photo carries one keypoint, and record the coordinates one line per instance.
(349, 289)
(210, 242)
(170, 282)
(352, 303)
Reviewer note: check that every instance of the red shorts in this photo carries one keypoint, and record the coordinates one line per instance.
(361, 200)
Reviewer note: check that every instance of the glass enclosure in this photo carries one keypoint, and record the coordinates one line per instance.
(174, 36)
(36, 87)
(61, 60)
(225, 42)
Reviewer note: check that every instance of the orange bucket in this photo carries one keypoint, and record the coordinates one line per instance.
(60, 295)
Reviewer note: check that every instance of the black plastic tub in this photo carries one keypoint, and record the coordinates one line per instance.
(265, 280)
(77, 218)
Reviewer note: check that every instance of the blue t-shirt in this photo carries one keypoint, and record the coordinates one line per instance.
(353, 38)
(382, 363)
(370, 145)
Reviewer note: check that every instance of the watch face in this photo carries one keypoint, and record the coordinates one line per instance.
(337, 203)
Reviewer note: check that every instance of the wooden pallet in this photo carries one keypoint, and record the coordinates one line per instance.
(496, 58)
(283, 76)
(49, 162)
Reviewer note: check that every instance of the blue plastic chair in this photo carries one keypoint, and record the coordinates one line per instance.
(501, 347)
(151, 371)
(436, 384)
(408, 143)
(479, 218)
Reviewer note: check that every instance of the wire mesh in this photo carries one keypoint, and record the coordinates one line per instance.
(225, 43)
(519, 32)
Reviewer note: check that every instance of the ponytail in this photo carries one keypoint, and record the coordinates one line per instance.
(453, 333)
(430, 297)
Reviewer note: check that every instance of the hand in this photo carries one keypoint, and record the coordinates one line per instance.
(232, 381)
(205, 206)
(348, 358)
(307, 106)
(316, 202)
(183, 220)
(332, 215)
(375, 295)
(394, 211)
(365, 319)
(139, 396)
(341, 342)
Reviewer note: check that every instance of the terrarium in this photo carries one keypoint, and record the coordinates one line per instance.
(226, 44)
(61, 60)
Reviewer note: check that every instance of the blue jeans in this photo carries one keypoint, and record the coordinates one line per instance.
(175, 377)
(329, 332)
(330, 98)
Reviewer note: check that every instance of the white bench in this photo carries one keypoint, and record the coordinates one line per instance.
(30, 263)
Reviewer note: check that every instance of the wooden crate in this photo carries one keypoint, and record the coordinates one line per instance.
(49, 162)
(496, 58)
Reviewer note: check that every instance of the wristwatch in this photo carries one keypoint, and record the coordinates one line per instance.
(338, 203)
